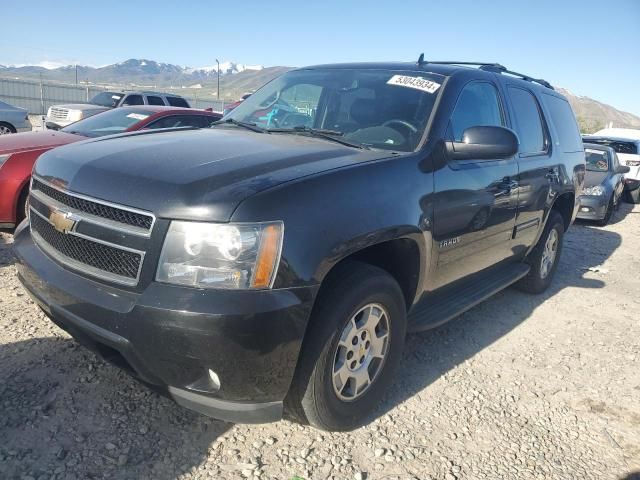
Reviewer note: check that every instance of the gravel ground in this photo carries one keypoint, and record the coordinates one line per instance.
(519, 387)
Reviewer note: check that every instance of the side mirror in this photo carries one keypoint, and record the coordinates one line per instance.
(623, 169)
(484, 143)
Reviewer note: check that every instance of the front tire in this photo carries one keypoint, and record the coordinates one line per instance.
(544, 257)
(608, 214)
(351, 350)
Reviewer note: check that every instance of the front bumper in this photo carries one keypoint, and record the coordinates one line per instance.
(170, 337)
(592, 207)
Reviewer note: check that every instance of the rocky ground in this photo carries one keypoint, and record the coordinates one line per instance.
(519, 387)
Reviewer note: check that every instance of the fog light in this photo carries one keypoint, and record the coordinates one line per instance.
(585, 209)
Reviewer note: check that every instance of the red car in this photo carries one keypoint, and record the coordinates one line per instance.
(19, 152)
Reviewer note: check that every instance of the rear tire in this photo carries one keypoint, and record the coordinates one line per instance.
(356, 331)
(544, 257)
(6, 128)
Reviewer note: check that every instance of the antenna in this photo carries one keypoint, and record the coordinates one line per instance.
(421, 61)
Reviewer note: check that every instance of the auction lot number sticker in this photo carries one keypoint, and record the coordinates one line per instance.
(418, 83)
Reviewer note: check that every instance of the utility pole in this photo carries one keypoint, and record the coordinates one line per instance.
(76, 74)
(218, 92)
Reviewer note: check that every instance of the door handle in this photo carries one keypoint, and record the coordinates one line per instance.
(505, 187)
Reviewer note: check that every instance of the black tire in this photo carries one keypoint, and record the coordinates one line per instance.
(632, 196)
(21, 207)
(535, 281)
(6, 128)
(608, 214)
(312, 398)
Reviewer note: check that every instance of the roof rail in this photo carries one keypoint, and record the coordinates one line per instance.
(496, 68)
(487, 67)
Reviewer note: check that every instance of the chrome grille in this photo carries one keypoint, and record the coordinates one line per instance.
(119, 215)
(87, 252)
(72, 230)
(57, 113)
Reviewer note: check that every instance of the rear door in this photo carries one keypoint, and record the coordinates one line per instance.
(537, 169)
(475, 200)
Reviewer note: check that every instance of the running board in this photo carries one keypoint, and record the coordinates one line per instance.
(440, 307)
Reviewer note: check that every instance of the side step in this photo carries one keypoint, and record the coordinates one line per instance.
(441, 306)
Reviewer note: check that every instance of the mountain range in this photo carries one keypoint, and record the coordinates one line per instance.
(238, 78)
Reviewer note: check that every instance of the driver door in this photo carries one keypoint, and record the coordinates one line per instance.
(475, 200)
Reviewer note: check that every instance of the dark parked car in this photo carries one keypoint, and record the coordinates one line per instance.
(603, 184)
(276, 260)
(627, 149)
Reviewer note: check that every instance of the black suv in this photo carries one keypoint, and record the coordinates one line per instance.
(273, 263)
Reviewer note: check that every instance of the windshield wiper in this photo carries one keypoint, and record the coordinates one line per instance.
(331, 135)
(248, 125)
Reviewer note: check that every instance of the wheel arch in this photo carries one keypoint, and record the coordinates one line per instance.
(403, 256)
(565, 205)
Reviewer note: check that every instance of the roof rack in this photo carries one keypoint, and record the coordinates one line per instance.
(488, 67)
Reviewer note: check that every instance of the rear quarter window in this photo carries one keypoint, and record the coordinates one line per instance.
(177, 102)
(564, 123)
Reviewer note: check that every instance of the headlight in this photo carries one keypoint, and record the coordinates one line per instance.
(597, 190)
(4, 158)
(230, 256)
(75, 115)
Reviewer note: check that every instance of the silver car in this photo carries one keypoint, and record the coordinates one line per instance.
(13, 119)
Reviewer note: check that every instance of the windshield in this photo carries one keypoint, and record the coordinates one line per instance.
(106, 99)
(617, 145)
(597, 160)
(108, 123)
(373, 108)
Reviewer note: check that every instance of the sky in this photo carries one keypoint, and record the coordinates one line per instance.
(589, 47)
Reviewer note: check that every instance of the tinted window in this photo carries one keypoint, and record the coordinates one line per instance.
(619, 147)
(106, 99)
(133, 100)
(177, 102)
(564, 122)
(478, 105)
(528, 123)
(151, 100)
(175, 121)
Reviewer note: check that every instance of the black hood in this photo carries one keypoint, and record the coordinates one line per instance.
(191, 175)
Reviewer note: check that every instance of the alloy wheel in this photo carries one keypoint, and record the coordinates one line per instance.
(549, 253)
(361, 352)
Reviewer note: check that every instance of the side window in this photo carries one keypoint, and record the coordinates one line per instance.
(176, 121)
(133, 100)
(153, 100)
(177, 102)
(564, 123)
(527, 121)
(478, 105)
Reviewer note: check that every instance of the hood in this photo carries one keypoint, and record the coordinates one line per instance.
(591, 179)
(191, 175)
(22, 142)
(82, 106)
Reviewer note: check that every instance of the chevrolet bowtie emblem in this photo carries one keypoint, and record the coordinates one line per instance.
(62, 221)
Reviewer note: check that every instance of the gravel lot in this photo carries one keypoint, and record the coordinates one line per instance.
(519, 387)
